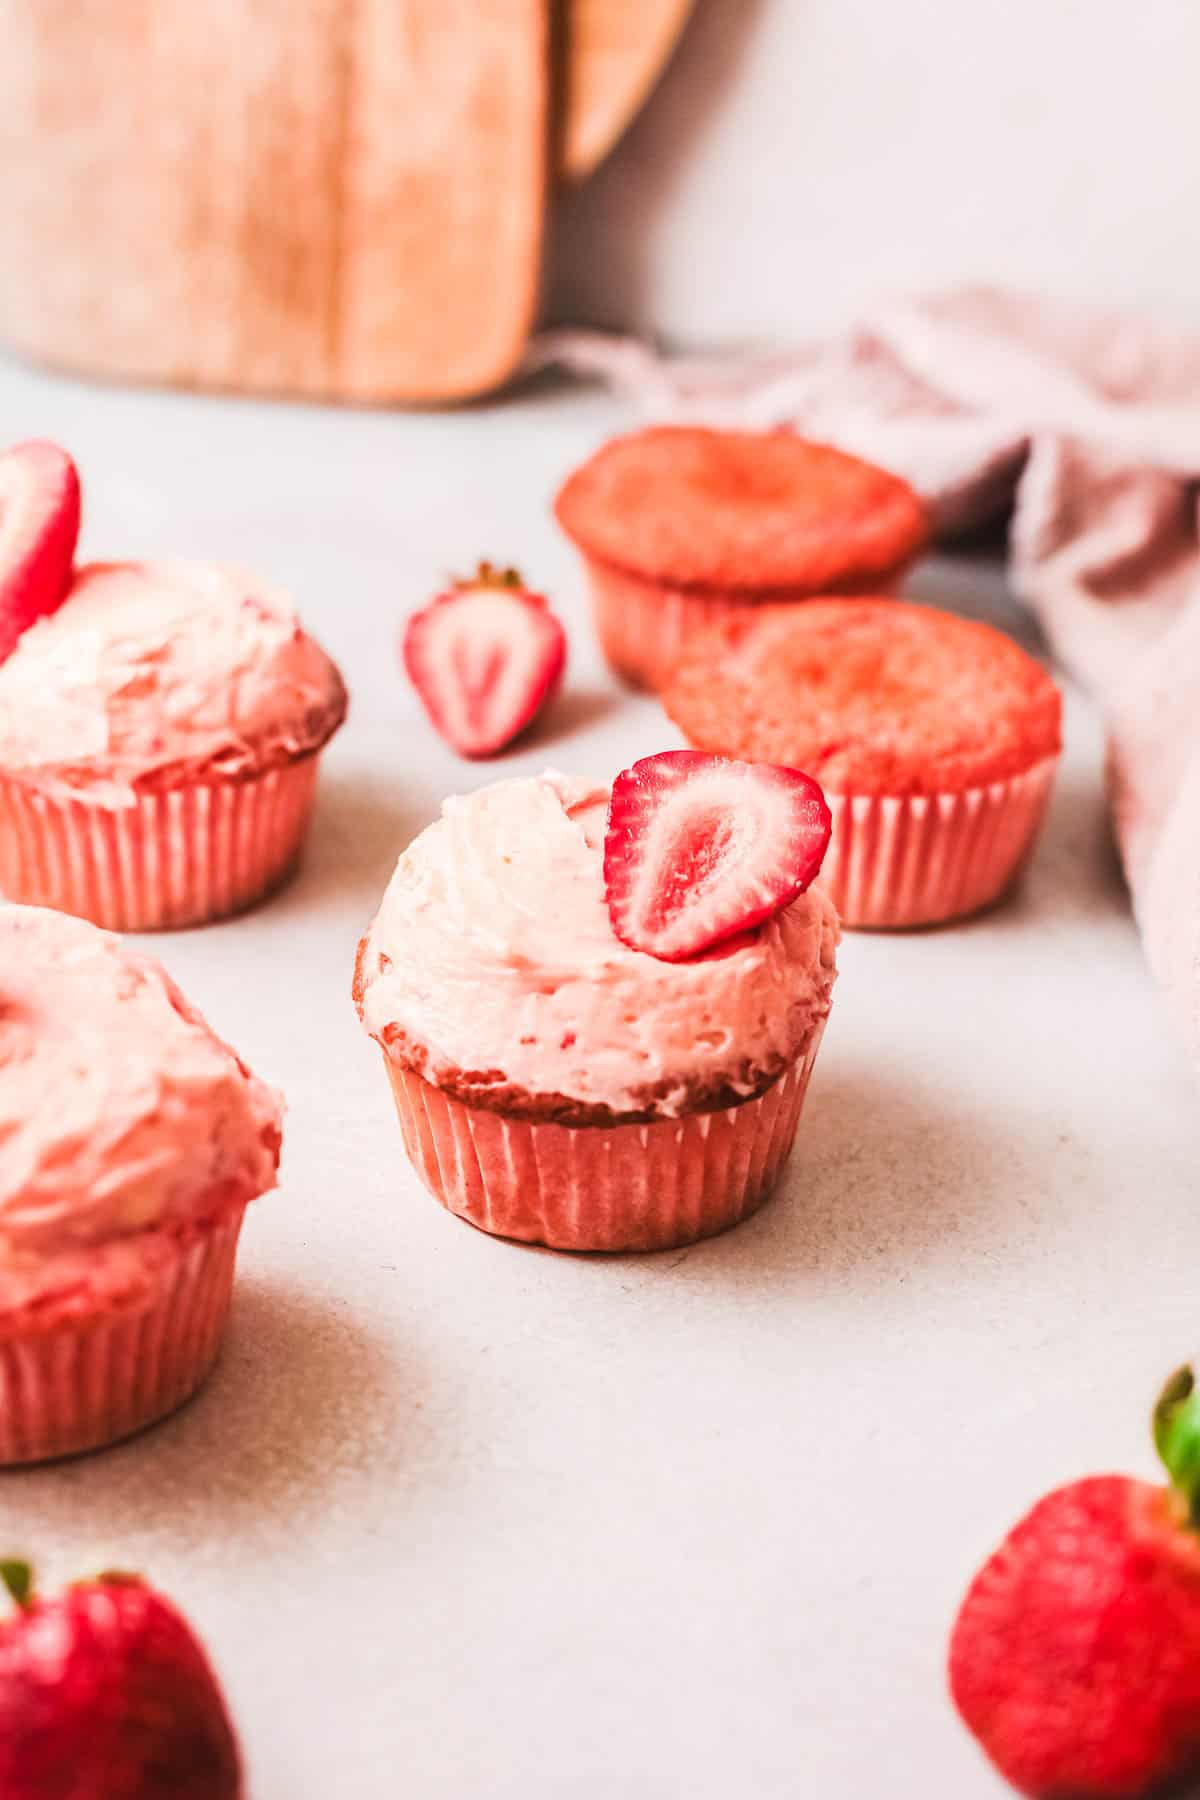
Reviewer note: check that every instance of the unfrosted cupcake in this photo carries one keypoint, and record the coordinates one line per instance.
(682, 527)
(934, 737)
(159, 737)
(557, 1085)
(131, 1141)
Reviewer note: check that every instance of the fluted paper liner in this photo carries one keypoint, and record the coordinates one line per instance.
(619, 1187)
(176, 858)
(88, 1383)
(644, 627)
(917, 859)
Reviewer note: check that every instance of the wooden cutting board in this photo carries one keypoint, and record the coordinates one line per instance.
(336, 198)
(615, 52)
(340, 197)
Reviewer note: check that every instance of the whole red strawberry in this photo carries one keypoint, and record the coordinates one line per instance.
(105, 1694)
(1075, 1657)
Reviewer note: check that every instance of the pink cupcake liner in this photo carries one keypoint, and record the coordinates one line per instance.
(90, 1382)
(918, 859)
(175, 858)
(620, 1187)
(644, 626)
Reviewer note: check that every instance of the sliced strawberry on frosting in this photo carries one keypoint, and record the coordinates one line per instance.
(485, 658)
(700, 848)
(39, 523)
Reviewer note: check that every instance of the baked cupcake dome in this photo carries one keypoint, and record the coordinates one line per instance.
(552, 1083)
(679, 526)
(159, 737)
(935, 738)
(131, 1141)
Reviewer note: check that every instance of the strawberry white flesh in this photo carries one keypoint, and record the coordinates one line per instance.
(484, 660)
(39, 525)
(700, 849)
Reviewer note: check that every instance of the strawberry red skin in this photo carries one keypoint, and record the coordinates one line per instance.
(39, 482)
(105, 1694)
(1075, 1658)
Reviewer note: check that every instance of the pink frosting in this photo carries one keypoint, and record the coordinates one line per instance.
(493, 950)
(123, 1118)
(167, 668)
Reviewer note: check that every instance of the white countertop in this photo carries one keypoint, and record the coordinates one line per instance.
(461, 1520)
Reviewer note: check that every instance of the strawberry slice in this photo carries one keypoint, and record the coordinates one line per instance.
(700, 848)
(485, 658)
(39, 523)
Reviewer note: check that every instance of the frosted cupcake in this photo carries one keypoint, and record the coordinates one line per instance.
(682, 527)
(159, 738)
(131, 1141)
(556, 1084)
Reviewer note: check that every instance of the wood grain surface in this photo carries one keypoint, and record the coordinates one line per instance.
(344, 198)
(615, 51)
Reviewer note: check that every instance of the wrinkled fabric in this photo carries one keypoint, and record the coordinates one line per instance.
(1085, 423)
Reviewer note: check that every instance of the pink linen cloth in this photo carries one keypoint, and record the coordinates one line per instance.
(1086, 423)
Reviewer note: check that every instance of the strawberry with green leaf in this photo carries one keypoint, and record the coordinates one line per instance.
(106, 1694)
(1075, 1657)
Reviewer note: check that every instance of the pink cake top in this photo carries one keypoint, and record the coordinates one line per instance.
(154, 672)
(124, 1120)
(492, 969)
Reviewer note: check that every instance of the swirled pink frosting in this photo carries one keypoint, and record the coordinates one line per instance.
(493, 952)
(153, 671)
(123, 1118)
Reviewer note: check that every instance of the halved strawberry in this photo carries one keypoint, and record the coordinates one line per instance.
(485, 658)
(700, 848)
(39, 523)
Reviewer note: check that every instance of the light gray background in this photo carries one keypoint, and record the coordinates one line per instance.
(803, 156)
(465, 1521)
